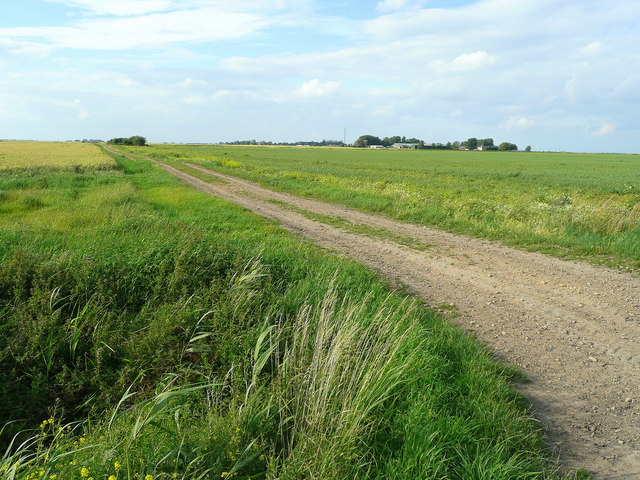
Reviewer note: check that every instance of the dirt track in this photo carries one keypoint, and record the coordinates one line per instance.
(573, 328)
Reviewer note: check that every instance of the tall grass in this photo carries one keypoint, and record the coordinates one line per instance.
(320, 396)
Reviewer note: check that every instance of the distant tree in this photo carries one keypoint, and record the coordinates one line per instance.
(421, 144)
(366, 140)
(528, 149)
(136, 140)
(388, 141)
(505, 146)
(472, 143)
(487, 142)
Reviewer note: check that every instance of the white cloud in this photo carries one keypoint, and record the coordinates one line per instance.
(195, 100)
(19, 50)
(391, 5)
(81, 111)
(191, 82)
(593, 48)
(515, 122)
(316, 88)
(605, 129)
(118, 7)
(472, 61)
(149, 31)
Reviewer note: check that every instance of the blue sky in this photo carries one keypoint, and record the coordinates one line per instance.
(556, 75)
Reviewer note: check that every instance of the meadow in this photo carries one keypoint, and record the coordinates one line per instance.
(583, 206)
(150, 331)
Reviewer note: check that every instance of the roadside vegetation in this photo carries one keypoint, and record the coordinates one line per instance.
(150, 331)
(575, 205)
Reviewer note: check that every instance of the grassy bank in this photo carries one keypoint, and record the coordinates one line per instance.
(576, 205)
(151, 331)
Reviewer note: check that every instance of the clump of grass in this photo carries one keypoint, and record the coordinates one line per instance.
(323, 395)
(307, 407)
(32, 203)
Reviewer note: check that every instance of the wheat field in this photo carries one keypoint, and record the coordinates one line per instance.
(58, 155)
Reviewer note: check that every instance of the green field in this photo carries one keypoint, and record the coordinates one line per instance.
(152, 332)
(576, 205)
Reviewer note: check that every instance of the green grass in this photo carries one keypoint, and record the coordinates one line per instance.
(576, 205)
(169, 333)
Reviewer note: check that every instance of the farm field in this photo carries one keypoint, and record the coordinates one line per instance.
(149, 329)
(57, 155)
(571, 205)
(569, 325)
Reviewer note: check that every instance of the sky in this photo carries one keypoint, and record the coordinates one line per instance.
(559, 75)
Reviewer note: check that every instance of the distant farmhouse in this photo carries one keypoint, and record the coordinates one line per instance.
(404, 145)
(397, 146)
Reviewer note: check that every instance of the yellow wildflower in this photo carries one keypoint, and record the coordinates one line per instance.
(84, 472)
(148, 477)
(117, 465)
(112, 477)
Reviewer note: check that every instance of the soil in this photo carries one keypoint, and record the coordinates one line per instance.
(573, 328)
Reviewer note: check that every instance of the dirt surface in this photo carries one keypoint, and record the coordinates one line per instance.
(573, 328)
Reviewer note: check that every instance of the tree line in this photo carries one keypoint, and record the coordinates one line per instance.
(469, 144)
(323, 143)
(136, 141)
(368, 140)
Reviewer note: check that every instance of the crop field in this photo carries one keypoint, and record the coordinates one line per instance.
(574, 205)
(56, 155)
(149, 331)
